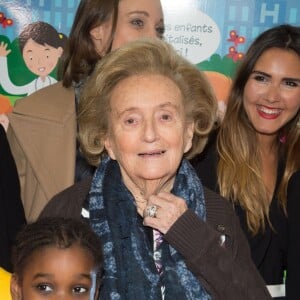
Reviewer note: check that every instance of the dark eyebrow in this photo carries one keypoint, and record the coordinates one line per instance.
(38, 275)
(261, 73)
(85, 275)
(46, 49)
(291, 79)
(48, 275)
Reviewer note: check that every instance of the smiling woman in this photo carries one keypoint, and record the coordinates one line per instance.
(271, 95)
(253, 154)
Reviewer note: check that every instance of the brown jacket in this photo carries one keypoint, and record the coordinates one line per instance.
(226, 271)
(42, 137)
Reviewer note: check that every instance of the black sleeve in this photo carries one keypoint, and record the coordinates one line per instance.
(293, 260)
(206, 162)
(12, 216)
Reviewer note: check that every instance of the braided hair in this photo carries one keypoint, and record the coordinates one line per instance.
(59, 232)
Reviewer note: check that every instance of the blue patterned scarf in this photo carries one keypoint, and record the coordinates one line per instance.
(130, 271)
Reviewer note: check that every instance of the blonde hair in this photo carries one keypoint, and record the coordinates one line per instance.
(239, 168)
(145, 56)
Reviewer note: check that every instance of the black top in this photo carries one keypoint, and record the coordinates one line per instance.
(12, 216)
(293, 208)
(269, 248)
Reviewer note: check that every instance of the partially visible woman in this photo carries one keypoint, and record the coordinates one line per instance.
(253, 160)
(12, 216)
(293, 208)
(43, 127)
(42, 130)
(143, 111)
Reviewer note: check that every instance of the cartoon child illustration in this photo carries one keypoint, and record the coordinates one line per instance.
(41, 47)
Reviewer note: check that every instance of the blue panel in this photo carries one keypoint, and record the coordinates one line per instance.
(293, 16)
(245, 14)
(232, 13)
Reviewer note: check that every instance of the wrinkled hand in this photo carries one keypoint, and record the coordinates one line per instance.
(170, 208)
(3, 49)
(4, 121)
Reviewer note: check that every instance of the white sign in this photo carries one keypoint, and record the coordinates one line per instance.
(194, 34)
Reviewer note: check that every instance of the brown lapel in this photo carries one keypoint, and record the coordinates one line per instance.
(45, 126)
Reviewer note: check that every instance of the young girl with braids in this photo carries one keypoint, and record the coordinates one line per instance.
(57, 258)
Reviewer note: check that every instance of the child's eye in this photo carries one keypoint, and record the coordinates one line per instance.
(80, 290)
(44, 287)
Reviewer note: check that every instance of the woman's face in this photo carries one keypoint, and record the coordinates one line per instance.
(55, 273)
(272, 92)
(137, 19)
(148, 132)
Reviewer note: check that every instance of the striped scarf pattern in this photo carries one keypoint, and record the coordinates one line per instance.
(130, 271)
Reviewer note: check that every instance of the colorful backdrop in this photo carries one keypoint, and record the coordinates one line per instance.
(213, 34)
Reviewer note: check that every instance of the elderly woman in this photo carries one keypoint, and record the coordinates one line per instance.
(144, 110)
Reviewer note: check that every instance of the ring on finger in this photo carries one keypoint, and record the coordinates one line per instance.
(150, 211)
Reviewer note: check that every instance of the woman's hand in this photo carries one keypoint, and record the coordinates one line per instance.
(169, 209)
